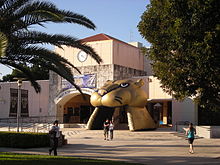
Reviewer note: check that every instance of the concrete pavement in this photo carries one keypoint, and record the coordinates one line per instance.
(148, 147)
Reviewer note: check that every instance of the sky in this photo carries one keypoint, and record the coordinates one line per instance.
(117, 18)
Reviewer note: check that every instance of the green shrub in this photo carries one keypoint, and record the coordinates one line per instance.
(24, 139)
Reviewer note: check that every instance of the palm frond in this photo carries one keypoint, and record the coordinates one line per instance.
(65, 73)
(33, 37)
(1, 3)
(23, 45)
(43, 12)
(26, 71)
(3, 44)
(5, 5)
(34, 51)
(11, 6)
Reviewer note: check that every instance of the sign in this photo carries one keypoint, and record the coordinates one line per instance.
(66, 92)
(83, 81)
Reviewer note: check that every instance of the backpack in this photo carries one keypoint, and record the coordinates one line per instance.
(52, 134)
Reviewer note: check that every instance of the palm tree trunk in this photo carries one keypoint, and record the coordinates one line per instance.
(3, 44)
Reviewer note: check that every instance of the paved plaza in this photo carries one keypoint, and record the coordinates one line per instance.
(162, 146)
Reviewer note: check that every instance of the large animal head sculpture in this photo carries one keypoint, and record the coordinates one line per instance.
(119, 93)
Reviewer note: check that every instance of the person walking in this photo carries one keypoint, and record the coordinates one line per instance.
(54, 136)
(111, 128)
(106, 129)
(190, 132)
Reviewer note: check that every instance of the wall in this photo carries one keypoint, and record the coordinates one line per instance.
(147, 66)
(127, 55)
(102, 48)
(54, 88)
(121, 72)
(155, 91)
(202, 131)
(208, 131)
(37, 103)
(184, 111)
(111, 52)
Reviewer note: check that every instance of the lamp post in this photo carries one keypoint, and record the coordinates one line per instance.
(19, 82)
(19, 103)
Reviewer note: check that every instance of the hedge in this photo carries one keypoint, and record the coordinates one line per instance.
(24, 139)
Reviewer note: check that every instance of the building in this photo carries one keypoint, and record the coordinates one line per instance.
(121, 60)
(32, 104)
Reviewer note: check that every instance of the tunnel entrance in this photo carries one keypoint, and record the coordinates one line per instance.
(103, 113)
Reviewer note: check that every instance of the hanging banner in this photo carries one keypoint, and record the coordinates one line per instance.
(83, 81)
(24, 103)
(14, 103)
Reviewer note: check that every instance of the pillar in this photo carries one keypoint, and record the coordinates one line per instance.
(165, 110)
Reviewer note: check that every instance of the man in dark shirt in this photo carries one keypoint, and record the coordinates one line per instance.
(106, 129)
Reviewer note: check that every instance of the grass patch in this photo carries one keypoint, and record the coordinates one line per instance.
(24, 159)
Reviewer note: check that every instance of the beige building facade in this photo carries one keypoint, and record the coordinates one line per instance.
(60, 100)
(120, 61)
(32, 104)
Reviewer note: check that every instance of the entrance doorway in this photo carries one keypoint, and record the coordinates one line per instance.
(120, 118)
(101, 114)
(160, 111)
(77, 110)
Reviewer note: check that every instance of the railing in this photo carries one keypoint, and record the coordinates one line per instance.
(180, 124)
(27, 124)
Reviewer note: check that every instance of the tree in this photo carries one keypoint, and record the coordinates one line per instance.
(3, 44)
(24, 46)
(38, 72)
(185, 51)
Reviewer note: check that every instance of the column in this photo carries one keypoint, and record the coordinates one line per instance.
(165, 110)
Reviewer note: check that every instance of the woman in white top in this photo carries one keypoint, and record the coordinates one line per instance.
(111, 128)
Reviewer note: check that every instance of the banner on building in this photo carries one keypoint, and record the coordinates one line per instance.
(83, 81)
(14, 103)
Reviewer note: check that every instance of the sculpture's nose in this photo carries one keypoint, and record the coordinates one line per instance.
(102, 92)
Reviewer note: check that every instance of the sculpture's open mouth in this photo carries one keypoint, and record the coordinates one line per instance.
(102, 113)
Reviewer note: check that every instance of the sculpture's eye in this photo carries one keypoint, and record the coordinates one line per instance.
(124, 85)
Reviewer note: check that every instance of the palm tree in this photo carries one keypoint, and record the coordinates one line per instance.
(3, 44)
(24, 45)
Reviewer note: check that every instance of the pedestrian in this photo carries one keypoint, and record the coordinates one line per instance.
(54, 136)
(190, 132)
(106, 129)
(111, 128)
